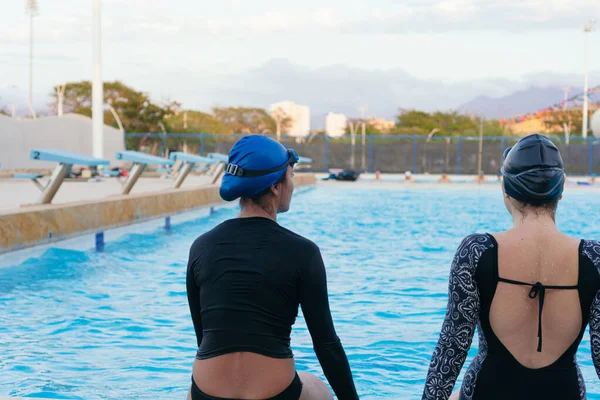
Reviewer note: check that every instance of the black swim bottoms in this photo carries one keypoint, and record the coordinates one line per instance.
(292, 392)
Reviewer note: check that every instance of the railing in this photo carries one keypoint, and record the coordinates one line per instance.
(387, 154)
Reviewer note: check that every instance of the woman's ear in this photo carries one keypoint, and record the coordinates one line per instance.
(276, 189)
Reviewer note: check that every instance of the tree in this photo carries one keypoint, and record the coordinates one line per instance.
(191, 121)
(135, 109)
(570, 121)
(369, 129)
(450, 123)
(246, 120)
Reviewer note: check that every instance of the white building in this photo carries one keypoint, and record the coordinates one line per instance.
(300, 116)
(335, 124)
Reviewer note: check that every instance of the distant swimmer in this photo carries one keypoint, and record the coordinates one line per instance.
(444, 178)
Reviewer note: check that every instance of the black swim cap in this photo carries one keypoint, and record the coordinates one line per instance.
(533, 171)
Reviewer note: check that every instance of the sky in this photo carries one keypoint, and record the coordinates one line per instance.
(333, 54)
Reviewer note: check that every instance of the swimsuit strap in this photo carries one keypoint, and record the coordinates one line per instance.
(538, 290)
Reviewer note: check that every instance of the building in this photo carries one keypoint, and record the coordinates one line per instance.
(71, 132)
(299, 115)
(335, 124)
(381, 124)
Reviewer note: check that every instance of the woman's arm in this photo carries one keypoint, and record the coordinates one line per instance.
(193, 295)
(328, 348)
(459, 324)
(592, 250)
(595, 332)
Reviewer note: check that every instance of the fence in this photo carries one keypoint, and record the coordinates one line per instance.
(388, 154)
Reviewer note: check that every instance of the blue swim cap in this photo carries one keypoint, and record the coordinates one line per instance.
(533, 171)
(255, 163)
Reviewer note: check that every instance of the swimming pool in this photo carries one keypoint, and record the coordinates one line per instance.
(115, 325)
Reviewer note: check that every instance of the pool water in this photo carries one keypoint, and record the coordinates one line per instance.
(115, 325)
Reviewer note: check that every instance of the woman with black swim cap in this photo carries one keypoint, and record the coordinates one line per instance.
(245, 281)
(531, 292)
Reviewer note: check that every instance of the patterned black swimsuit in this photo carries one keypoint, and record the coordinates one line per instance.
(495, 373)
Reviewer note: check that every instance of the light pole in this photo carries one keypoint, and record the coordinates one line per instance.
(60, 99)
(31, 8)
(116, 116)
(363, 110)
(97, 87)
(588, 28)
(480, 153)
(433, 132)
(425, 147)
(353, 129)
(565, 126)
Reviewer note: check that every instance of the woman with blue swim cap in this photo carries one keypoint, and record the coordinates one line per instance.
(245, 281)
(530, 290)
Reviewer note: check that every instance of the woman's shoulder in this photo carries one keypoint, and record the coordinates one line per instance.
(472, 248)
(478, 241)
(591, 250)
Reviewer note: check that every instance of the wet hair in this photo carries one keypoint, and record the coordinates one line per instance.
(258, 198)
(538, 209)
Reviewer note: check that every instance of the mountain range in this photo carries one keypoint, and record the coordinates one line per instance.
(343, 89)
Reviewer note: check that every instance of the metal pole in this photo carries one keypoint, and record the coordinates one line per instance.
(414, 158)
(353, 143)
(587, 30)
(480, 158)
(182, 175)
(201, 143)
(458, 155)
(591, 157)
(31, 110)
(60, 98)
(447, 163)
(217, 174)
(56, 179)
(371, 153)
(97, 85)
(116, 116)
(363, 110)
(364, 148)
(134, 175)
(565, 126)
(326, 153)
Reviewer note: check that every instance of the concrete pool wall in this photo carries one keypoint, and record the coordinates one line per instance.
(37, 225)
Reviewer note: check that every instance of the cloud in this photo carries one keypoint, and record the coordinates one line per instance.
(152, 20)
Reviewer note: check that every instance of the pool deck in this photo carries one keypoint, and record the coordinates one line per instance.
(429, 182)
(25, 192)
(22, 191)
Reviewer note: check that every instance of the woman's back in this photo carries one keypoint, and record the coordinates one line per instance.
(531, 256)
(245, 281)
(536, 289)
(246, 277)
(530, 290)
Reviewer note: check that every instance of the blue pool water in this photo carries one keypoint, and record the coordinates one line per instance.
(115, 325)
